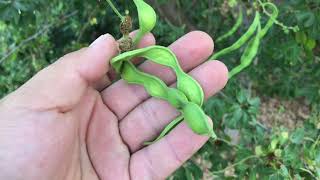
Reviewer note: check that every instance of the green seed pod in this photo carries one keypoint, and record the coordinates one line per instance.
(147, 16)
(234, 28)
(241, 41)
(190, 87)
(153, 85)
(189, 96)
(252, 49)
(176, 98)
(147, 19)
(197, 120)
(164, 56)
(249, 53)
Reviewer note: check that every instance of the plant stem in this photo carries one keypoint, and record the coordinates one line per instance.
(36, 35)
(167, 129)
(138, 38)
(228, 143)
(236, 70)
(283, 26)
(115, 9)
(235, 164)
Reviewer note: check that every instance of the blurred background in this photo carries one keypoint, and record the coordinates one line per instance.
(267, 118)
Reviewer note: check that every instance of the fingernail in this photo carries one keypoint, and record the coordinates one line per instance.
(101, 39)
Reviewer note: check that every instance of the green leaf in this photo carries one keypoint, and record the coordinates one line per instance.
(242, 96)
(259, 151)
(195, 170)
(310, 44)
(188, 175)
(306, 17)
(274, 144)
(301, 37)
(284, 171)
(278, 153)
(297, 136)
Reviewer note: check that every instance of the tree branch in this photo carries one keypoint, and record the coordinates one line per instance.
(36, 35)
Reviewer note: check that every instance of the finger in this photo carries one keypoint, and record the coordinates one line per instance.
(105, 146)
(148, 119)
(191, 50)
(162, 158)
(147, 40)
(62, 84)
(103, 82)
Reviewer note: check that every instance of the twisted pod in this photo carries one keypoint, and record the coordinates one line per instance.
(187, 98)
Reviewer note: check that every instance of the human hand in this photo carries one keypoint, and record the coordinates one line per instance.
(70, 122)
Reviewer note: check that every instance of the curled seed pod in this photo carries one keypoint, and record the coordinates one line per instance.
(197, 120)
(147, 19)
(125, 44)
(242, 40)
(126, 25)
(234, 28)
(164, 56)
(153, 85)
(249, 53)
(188, 96)
(190, 87)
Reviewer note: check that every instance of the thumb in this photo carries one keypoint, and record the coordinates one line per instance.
(92, 62)
(62, 84)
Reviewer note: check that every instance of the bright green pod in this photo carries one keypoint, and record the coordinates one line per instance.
(164, 56)
(252, 49)
(185, 83)
(158, 54)
(153, 85)
(249, 53)
(161, 55)
(197, 120)
(176, 98)
(147, 19)
(190, 87)
(241, 41)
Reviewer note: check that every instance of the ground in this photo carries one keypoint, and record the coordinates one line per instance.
(290, 114)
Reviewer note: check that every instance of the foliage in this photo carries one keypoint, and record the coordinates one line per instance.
(34, 33)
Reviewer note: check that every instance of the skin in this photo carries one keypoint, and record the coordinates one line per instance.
(69, 122)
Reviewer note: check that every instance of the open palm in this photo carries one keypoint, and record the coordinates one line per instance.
(70, 122)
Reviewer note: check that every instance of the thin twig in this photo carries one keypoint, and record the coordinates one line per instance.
(283, 26)
(115, 9)
(24, 42)
(228, 143)
(36, 35)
